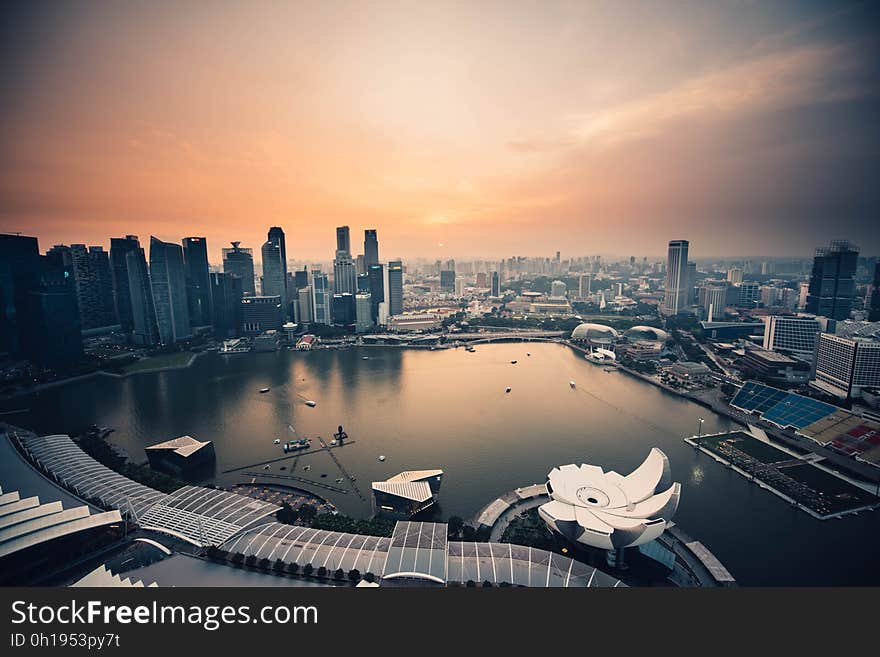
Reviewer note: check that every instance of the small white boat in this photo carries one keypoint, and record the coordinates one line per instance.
(306, 468)
(365, 358)
(264, 389)
(507, 389)
(277, 441)
(333, 442)
(309, 402)
(513, 362)
(340, 480)
(381, 458)
(571, 383)
(265, 467)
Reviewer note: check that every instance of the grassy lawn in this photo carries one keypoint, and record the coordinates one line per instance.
(177, 359)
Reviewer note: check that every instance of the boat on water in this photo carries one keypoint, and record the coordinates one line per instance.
(309, 402)
(572, 384)
(469, 348)
(340, 480)
(365, 358)
(513, 362)
(507, 389)
(528, 354)
(296, 445)
(277, 441)
(381, 458)
(264, 389)
(306, 468)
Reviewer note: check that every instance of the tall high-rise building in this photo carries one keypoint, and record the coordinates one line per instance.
(344, 274)
(343, 239)
(306, 306)
(120, 247)
(20, 274)
(363, 312)
(395, 287)
(735, 276)
(832, 283)
(276, 236)
(168, 283)
(496, 284)
(53, 317)
(198, 283)
(676, 295)
(144, 330)
(371, 248)
(377, 288)
(272, 282)
(240, 261)
(321, 298)
(226, 298)
(91, 278)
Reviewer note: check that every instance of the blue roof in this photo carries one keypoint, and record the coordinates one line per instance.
(782, 408)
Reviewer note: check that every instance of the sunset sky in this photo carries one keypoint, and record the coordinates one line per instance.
(457, 129)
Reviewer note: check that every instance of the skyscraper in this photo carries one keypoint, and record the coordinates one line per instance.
(198, 284)
(344, 268)
(395, 288)
(321, 297)
(343, 239)
(168, 283)
(273, 281)
(276, 236)
(120, 247)
(371, 248)
(676, 297)
(344, 274)
(91, 280)
(496, 284)
(143, 311)
(53, 317)
(832, 283)
(20, 274)
(306, 306)
(226, 298)
(240, 261)
(377, 288)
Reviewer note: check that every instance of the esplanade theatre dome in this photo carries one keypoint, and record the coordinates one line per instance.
(598, 334)
(646, 334)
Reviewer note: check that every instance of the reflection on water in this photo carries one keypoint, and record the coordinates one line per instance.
(448, 409)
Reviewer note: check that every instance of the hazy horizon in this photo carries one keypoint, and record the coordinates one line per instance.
(457, 130)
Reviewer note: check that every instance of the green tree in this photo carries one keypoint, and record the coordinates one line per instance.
(307, 513)
(354, 575)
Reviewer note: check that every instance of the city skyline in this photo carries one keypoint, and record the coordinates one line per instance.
(741, 128)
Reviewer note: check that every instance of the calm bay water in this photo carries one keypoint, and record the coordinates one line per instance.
(448, 409)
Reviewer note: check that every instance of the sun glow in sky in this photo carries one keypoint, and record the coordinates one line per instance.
(469, 129)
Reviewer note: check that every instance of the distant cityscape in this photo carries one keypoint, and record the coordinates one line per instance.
(791, 322)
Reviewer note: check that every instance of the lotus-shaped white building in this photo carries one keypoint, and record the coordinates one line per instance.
(610, 511)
